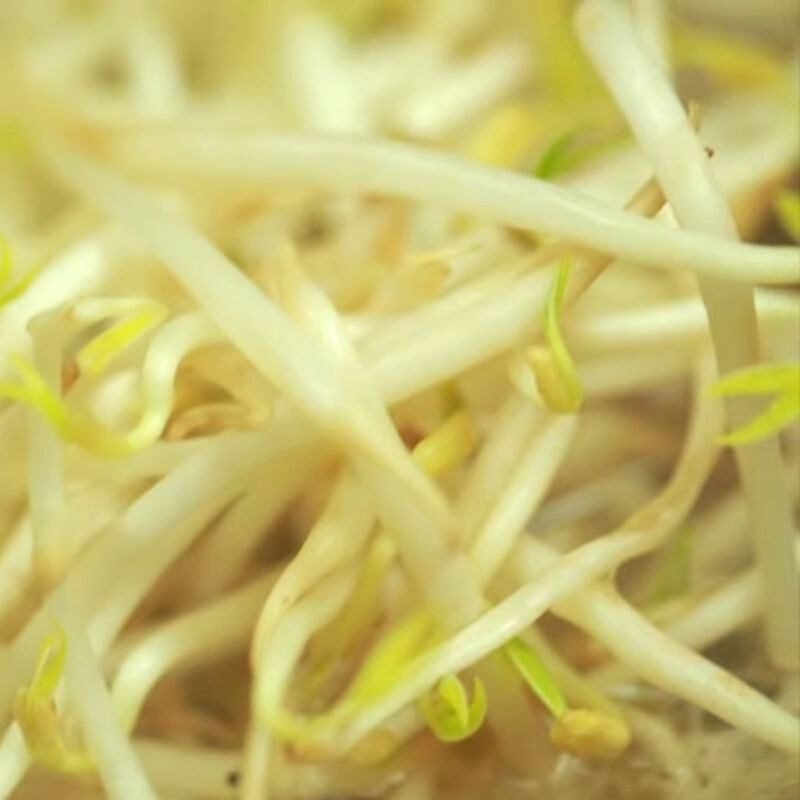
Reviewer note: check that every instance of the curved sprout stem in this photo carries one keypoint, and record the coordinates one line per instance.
(676, 155)
(493, 195)
(525, 487)
(203, 634)
(641, 533)
(118, 766)
(330, 393)
(363, 539)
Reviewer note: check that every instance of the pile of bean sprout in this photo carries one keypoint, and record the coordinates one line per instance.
(399, 400)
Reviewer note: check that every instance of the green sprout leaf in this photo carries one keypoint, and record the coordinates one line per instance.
(559, 157)
(386, 665)
(50, 666)
(37, 714)
(570, 150)
(556, 376)
(781, 380)
(596, 734)
(787, 207)
(527, 662)
(450, 714)
(389, 660)
(95, 357)
(360, 614)
(32, 389)
(73, 426)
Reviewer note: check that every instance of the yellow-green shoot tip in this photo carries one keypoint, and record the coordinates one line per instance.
(555, 372)
(782, 381)
(95, 357)
(450, 713)
(528, 664)
(37, 714)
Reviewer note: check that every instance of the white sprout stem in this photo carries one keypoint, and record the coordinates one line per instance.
(156, 79)
(652, 18)
(146, 561)
(401, 371)
(285, 649)
(45, 460)
(16, 559)
(511, 616)
(336, 539)
(120, 771)
(462, 93)
(430, 356)
(525, 488)
(260, 330)
(676, 322)
(188, 640)
(641, 533)
(618, 374)
(85, 267)
(386, 332)
(663, 130)
(318, 75)
(732, 607)
(411, 365)
(327, 391)
(426, 346)
(167, 349)
(169, 346)
(86, 582)
(433, 178)
(14, 760)
(156, 528)
(622, 486)
(422, 541)
(346, 523)
(230, 547)
(653, 656)
(84, 517)
(258, 753)
(670, 666)
(420, 537)
(494, 629)
(722, 530)
(728, 609)
(514, 425)
(162, 457)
